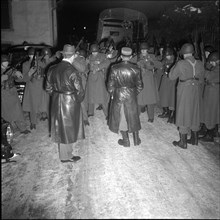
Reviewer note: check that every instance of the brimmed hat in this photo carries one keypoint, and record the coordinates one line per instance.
(68, 49)
(126, 51)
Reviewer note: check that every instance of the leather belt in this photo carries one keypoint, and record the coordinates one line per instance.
(212, 83)
(181, 80)
(65, 93)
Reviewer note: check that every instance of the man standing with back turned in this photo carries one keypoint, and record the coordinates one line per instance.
(124, 84)
(65, 86)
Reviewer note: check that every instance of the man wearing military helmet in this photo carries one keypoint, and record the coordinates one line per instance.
(10, 103)
(190, 73)
(211, 98)
(98, 64)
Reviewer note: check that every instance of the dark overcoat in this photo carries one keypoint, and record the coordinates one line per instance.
(11, 109)
(167, 86)
(149, 94)
(211, 100)
(124, 84)
(66, 89)
(188, 91)
(96, 87)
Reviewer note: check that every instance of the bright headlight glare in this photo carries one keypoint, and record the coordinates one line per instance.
(9, 134)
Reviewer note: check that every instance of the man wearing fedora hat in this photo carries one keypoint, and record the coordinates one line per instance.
(124, 84)
(66, 89)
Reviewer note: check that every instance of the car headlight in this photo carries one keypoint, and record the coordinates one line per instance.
(9, 133)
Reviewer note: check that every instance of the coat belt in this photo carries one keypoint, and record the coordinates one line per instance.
(65, 93)
(212, 83)
(181, 80)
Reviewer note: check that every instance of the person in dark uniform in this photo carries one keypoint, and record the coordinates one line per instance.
(211, 97)
(190, 73)
(11, 109)
(167, 87)
(124, 84)
(65, 86)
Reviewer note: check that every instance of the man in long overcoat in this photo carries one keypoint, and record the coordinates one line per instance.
(11, 109)
(167, 87)
(149, 95)
(66, 89)
(34, 91)
(96, 87)
(190, 73)
(211, 97)
(124, 84)
(80, 64)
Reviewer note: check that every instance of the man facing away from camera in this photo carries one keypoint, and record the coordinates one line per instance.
(124, 84)
(66, 89)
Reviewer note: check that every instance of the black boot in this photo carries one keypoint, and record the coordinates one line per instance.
(125, 141)
(136, 138)
(208, 137)
(165, 113)
(99, 107)
(182, 142)
(215, 131)
(202, 130)
(194, 138)
(171, 117)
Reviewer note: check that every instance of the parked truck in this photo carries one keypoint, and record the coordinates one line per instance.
(122, 24)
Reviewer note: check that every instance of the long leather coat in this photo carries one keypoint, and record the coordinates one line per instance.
(124, 84)
(188, 92)
(65, 86)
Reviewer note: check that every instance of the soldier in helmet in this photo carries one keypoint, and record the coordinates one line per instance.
(33, 77)
(96, 87)
(11, 109)
(167, 86)
(80, 64)
(45, 62)
(148, 97)
(211, 98)
(190, 73)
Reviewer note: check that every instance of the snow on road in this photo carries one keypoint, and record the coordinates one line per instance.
(152, 180)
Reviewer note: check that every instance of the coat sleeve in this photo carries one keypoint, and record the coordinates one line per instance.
(77, 82)
(48, 85)
(104, 64)
(139, 82)
(175, 71)
(25, 69)
(80, 64)
(111, 81)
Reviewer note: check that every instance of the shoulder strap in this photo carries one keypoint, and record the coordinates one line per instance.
(193, 65)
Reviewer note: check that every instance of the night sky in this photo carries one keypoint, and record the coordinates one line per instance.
(73, 15)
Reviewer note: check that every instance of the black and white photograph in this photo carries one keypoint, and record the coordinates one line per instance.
(110, 109)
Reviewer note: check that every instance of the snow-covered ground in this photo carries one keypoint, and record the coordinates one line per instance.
(152, 180)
